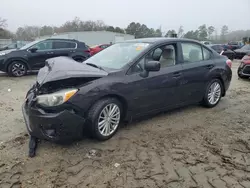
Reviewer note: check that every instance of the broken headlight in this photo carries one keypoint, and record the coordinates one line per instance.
(57, 98)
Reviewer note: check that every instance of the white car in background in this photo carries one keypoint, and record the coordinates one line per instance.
(206, 42)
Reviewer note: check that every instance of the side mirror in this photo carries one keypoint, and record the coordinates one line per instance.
(32, 50)
(150, 66)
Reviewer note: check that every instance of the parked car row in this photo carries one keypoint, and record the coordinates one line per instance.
(231, 54)
(32, 56)
(17, 62)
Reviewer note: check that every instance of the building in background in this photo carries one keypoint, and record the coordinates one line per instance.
(92, 37)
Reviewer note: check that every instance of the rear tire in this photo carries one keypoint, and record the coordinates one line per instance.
(213, 93)
(17, 69)
(104, 118)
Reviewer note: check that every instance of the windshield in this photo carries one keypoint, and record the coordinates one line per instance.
(246, 47)
(29, 45)
(117, 55)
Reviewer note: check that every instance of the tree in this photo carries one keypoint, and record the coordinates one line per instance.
(132, 28)
(119, 30)
(142, 31)
(203, 32)
(4, 33)
(3, 23)
(46, 30)
(224, 32)
(180, 31)
(192, 35)
(28, 32)
(210, 31)
(110, 28)
(158, 33)
(169, 33)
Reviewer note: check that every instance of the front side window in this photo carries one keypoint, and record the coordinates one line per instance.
(118, 55)
(44, 45)
(191, 52)
(165, 54)
(63, 45)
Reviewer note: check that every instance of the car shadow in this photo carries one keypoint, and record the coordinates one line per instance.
(5, 75)
(87, 140)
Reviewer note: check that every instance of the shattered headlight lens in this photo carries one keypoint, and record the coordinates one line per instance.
(57, 98)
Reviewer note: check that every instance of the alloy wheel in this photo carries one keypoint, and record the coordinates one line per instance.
(214, 93)
(18, 69)
(109, 119)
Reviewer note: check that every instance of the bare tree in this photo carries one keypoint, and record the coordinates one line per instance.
(3, 23)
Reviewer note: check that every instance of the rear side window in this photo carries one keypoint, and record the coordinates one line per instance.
(191, 52)
(63, 45)
(82, 45)
(207, 54)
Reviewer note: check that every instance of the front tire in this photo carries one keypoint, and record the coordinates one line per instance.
(17, 69)
(104, 118)
(241, 76)
(213, 93)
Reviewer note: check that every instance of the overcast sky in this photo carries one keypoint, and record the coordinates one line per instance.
(169, 14)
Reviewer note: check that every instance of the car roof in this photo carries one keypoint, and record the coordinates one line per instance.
(159, 40)
(215, 45)
(73, 40)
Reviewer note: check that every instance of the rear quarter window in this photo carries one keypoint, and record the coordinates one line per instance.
(207, 54)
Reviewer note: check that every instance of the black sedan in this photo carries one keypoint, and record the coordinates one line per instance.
(240, 53)
(127, 80)
(220, 48)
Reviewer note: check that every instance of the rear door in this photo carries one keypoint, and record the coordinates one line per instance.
(197, 63)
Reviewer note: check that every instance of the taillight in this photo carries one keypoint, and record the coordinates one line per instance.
(229, 63)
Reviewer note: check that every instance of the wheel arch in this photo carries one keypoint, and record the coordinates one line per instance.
(222, 82)
(119, 98)
(17, 59)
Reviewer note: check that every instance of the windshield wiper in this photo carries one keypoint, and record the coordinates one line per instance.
(94, 65)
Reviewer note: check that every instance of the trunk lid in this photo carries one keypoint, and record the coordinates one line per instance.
(60, 68)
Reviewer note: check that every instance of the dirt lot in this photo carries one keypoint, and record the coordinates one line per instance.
(189, 147)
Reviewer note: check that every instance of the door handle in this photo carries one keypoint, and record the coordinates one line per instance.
(176, 74)
(209, 66)
(50, 52)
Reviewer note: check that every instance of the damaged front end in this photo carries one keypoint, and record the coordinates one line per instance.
(46, 111)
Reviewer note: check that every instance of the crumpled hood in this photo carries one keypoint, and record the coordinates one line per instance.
(60, 68)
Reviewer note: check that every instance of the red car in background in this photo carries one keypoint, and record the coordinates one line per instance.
(244, 68)
(95, 49)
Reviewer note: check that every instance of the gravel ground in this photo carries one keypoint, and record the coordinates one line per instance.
(188, 147)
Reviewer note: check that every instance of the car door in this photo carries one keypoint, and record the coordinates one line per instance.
(160, 89)
(37, 58)
(197, 63)
(63, 48)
